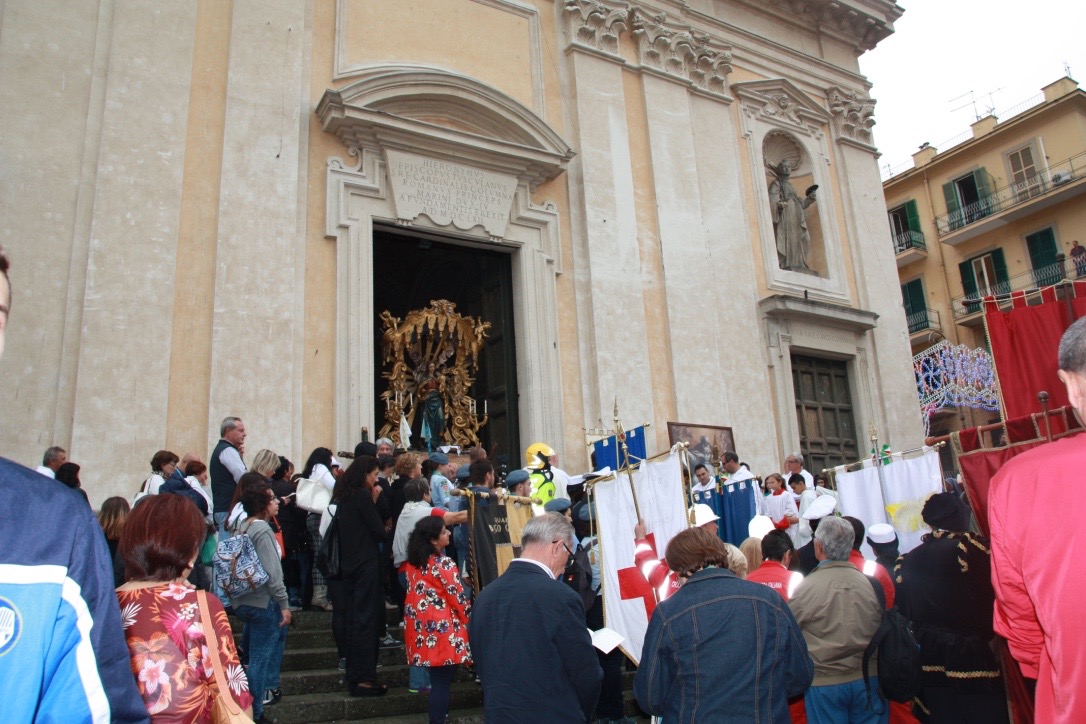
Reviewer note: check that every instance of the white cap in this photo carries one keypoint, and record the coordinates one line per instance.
(881, 533)
(703, 514)
(759, 525)
(822, 506)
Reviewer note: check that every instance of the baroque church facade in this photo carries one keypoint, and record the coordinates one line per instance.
(671, 204)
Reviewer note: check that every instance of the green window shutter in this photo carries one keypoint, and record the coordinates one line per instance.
(1000, 265)
(950, 193)
(912, 295)
(987, 204)
(969, 280)
(912, 215)
(1042, 248)
(984, 182)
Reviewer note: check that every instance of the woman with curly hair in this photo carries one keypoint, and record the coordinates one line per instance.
(436, 612)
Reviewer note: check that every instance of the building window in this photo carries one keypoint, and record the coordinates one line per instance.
(983, 276)
(968, 198)
(905, 227)
(1027, 183)
(1042, 257)
(916, 306)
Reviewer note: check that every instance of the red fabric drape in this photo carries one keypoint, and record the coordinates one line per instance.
(978, 467)
(1025, 343)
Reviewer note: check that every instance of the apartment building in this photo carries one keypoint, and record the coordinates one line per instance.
(999, 212)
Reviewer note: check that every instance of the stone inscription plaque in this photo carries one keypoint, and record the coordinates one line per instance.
(450, 193)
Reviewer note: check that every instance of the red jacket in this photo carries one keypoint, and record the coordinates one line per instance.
(1039, 575)
(777, 577)
(436, 613)
(871, 568)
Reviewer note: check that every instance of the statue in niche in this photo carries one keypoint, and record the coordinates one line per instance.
(790, 218)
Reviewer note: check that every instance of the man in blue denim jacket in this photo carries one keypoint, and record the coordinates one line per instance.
(720, 649)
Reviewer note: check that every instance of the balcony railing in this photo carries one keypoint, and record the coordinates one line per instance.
(909, 240)
(1039, 184)
(924, 319)
(1031, 281)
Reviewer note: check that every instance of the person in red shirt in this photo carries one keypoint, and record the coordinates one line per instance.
(1036, 571)
(870, 568)
(778, 551)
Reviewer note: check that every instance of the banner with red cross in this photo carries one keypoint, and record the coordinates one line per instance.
(628, 599)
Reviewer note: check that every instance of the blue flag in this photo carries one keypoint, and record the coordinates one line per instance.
(608, 449)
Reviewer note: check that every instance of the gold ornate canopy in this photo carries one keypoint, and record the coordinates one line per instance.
(430, 361)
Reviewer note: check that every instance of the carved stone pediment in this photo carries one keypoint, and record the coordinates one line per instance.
(596, 24)
(853, 114)
(444, 116)
(677, 50)
(780, 102)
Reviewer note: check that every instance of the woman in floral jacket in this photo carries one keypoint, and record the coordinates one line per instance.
(163, 624)
(435, 612)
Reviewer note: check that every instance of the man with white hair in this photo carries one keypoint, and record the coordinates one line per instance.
(51, 461)
(838, 611)
(793, 465)
(1039, 582)
(528, 637)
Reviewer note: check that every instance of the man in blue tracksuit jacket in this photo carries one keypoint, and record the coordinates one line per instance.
(63, 655)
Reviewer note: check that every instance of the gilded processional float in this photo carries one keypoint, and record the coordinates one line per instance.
(430, 360)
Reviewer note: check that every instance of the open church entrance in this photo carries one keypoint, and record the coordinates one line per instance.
(409, 271)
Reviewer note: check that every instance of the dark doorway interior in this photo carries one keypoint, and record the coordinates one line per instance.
(408, 272)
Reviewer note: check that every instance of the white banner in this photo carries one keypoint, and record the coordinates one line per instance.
(908, 484)
(662, 503)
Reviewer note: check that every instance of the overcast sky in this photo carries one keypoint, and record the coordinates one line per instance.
(1002, 51)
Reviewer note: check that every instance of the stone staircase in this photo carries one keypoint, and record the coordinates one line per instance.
(313, 688)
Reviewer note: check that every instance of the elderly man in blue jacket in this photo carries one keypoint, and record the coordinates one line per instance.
(528, 637)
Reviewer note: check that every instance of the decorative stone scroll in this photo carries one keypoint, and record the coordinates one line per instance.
(853, 114)
(679, 51)
(450, 193)
(596, 24)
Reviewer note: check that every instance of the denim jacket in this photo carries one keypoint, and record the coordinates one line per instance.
(722, 649)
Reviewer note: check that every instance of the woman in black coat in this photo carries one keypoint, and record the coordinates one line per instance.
(358, 605)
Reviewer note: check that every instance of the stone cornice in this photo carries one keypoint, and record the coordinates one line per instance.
(853, 116)
(863, 23)
(784, 306)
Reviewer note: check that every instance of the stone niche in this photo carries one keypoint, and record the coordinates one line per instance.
(781, 123)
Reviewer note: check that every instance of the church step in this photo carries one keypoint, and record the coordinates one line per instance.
(406, 709)
(320, 620)
(326, 657)
(338, 706)
(319, 681)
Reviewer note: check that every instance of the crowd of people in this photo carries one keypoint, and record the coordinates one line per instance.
(109, 618)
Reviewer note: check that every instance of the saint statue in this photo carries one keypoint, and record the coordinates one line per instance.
(790, 219)
(432, 404)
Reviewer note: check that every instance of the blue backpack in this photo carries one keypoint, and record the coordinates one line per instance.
(238, 570)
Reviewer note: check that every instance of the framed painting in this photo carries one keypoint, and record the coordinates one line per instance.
(707, 442)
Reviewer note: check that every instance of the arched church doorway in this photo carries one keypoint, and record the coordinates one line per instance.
(410, 269)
